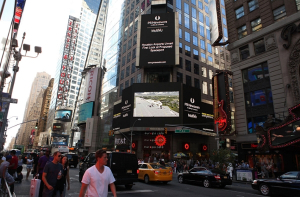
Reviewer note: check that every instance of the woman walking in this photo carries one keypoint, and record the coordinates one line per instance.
(29, 166)
(61, 183)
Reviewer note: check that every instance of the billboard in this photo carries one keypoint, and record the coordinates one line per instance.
(85, 111)
(57, 139)
(18, 14)
(58, 127)
(89, 132)
(90, 87)
(63, 115)
(67, 61)
(158, 40)
(156, 104)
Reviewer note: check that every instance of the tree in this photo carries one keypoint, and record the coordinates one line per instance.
(222, 156)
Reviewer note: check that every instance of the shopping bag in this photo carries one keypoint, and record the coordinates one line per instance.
(35, 187)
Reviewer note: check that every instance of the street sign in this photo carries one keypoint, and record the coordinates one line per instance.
(8, 100)
(182, 131)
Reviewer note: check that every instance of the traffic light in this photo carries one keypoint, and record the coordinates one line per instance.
(109, 133)
(166, 130)
(36, 125)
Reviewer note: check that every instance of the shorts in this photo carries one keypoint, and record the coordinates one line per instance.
(47, 192)
(29, 167)
(9, 178)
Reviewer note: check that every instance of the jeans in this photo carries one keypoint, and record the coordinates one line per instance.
(12, 186)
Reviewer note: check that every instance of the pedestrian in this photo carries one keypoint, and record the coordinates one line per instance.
(5, 175)
(51, 174)
(35, 163)
(29, 166)
(230, 170)
(12, 168)
(61, 184)
(19, 169)
(175, 167)
(41, 164)
(96, 179)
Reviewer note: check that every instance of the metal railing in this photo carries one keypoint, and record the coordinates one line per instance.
(5, 191)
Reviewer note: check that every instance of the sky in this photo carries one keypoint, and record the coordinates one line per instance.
(45, 24)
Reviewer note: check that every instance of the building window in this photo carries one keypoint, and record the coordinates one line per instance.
(196, 69)
(178, 4)
(204, 74)
(208, 34)
(127, 71)
(254, 122)
(231, 96)
(139, 78)
(225, 32)
(180, 33)
(256, 25)
(187, 50)
(202, 44)
(196, 83)
(201, 17)
(179, 77)
(127, 84)
(257, 72)
(187, 36)
(223, 11)
(121, 89)
(298, 4)
(207, 21)
(210, 60)
(244, 52)
(122, 74)
(188, 80)
(203, 57)
(195, 40)
(188, 65)
(180, 47)
(132, 80)
(134, 53)
(209, 49)
(179, 18)
(222, 3)
(204, 87)
(202, 31)
(224, 21)
(133, 68)
(186, 22)
(195, 54)
(242, 31)
(193, 2)
(210, 73)
(253, 5)
(259, 97)
(279, 13)
(194, 13)
(239, 12)
(200, 5)
(186, 8)
(206, 9)
(194, 25)
(259, 46)
(180, 62)
(128, 57)
(210, 90)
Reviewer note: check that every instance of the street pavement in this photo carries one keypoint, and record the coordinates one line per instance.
(173, 189)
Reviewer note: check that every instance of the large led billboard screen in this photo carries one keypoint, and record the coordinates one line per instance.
(85, 112)
(63, 115)
(156, 104)
(157, 40)
(285, 134)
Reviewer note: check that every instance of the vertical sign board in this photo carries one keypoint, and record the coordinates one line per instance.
(67, 61)
(90, 87)
(158, 40)
(18, 14)
(191, 105)
(215, 22)
(117, 116)
(89, 132)
(126, 107)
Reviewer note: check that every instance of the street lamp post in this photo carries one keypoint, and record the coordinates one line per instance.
(131, 130)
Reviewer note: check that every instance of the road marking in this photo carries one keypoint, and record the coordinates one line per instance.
(133, 191)
(77, 175)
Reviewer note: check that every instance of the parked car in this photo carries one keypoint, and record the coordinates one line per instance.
(124, 167)
(205, 176)
(286, 184)
(73, 159)
(154, 172)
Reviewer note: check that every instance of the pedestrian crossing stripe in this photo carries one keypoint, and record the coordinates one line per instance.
(133, 191)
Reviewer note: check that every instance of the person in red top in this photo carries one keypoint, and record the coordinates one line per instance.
(13, 165)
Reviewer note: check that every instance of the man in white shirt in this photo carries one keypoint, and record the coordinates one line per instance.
(96, 179)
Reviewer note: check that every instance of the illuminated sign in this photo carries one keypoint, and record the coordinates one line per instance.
(157, 46)
(160, 140)
(156, 140)
(63, 115)
(186, 146)
(67, 62)
(18, 14)
(204, 148)
(58, 127)
(85, 112)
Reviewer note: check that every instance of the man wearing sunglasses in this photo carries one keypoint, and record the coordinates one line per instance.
(52, 172)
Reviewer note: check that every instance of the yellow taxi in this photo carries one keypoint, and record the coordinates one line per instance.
(154, 172)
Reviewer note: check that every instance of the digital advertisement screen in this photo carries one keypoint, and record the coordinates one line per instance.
(156, 104)
(285, 134)
(59, 140)
(85, 111)
(63, 115)
(157, 41)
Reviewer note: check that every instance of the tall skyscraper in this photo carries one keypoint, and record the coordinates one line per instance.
(75, 56)
(198, 59)
(41, 80)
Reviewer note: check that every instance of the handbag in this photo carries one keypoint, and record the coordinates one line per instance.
(34, 187)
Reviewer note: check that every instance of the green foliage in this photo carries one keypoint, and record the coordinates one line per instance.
(222, 156)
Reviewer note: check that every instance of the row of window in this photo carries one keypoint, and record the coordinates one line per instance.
(132, 80)
(196, 68)
(187, 52)
(256, 25)
(259, 47)
(127, 71)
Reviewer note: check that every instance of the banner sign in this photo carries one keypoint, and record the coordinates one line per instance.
(90, 85)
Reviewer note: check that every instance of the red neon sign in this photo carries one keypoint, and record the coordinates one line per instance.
(160, 140)
(186, 146)
(254, 145)
(133, 145)
(204, 147)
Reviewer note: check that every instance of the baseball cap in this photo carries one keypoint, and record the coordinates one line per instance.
(8, 157)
